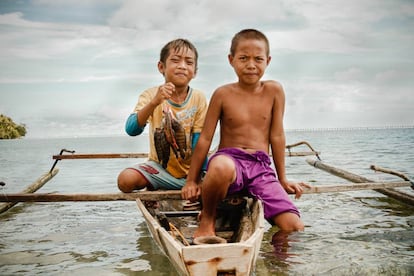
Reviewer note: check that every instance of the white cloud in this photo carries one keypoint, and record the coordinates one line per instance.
(340, 63)
(351, 74)
(79, 3)
(392, 76)
(38, 40)
(202, 19)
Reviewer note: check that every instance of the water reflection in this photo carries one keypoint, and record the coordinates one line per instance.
(279, 252)
(389, 205)
(281, 242)
(156, 262)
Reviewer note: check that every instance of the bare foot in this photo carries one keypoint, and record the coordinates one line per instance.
(201, 233)
(205, 228)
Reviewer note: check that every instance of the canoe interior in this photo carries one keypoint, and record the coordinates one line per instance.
(239, 221)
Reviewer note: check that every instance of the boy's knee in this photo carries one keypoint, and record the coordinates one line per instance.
(289, 222)
(125, 183)
(222, 167)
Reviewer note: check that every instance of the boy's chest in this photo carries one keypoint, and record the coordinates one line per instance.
(247, 109)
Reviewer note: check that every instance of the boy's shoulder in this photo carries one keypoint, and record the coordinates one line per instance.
(267, 84)
(264, 82)
(272, 83)
(273, 87)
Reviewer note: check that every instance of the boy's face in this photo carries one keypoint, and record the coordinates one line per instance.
(179, 67)
(250, 60)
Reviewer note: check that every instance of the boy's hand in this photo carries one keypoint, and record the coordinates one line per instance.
(191, 191)
(164, 92)
(295, 187)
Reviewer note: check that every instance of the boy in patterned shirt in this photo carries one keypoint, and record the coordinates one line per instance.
(188, 106)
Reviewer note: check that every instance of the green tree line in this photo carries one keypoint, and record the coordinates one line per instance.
(9, 129)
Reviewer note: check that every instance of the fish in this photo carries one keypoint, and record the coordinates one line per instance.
(175, 133)
(162, 147)
(180, 137)
(167, 125)
(169, 130)
(171, 135)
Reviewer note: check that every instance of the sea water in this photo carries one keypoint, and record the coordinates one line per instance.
(349, 233)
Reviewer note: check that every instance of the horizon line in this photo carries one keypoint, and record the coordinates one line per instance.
(350, 128)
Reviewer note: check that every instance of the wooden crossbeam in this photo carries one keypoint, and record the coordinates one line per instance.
(176, 194)
(143, 155)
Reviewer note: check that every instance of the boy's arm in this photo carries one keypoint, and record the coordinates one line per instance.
(164, 92)
(191, 190)
(277, 135)
(194, 141)
(278, 143)
(136, 122)
(132, 127)
(146, 105)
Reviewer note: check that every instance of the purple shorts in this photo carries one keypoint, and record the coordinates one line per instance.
(255, 175)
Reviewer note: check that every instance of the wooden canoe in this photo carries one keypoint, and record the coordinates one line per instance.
(237, 256)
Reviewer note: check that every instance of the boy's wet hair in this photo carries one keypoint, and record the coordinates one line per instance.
(248, 34)
(176, 45)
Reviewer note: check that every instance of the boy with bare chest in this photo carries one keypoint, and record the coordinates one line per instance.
(250, 112)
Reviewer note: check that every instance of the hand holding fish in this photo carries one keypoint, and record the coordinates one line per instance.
(164, 92)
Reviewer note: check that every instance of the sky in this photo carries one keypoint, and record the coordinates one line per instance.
(76, 67)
